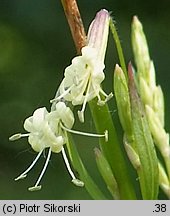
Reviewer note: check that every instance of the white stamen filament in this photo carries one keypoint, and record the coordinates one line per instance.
(107, 98)
(86, 134)
(67, 164)
(37, 186)
(100, 101)
(81, 113)
(62, 95)
(75, 181)
(24, 174)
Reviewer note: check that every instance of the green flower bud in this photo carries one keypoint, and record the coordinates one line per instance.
(151, 77)
(163, 180)
(145, 91)
(158, 104)
(123, 100)
(161, 138)
(132, 155)
(106, 173)
(140, 48)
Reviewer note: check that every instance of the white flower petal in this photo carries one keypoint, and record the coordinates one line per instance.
(28, 125)
(36, 142)
(39, 117)
(57, 146)
(65, 114)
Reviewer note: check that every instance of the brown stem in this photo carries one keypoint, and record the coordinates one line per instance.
(75, 22)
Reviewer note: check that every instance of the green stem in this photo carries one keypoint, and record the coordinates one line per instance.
(119, 47)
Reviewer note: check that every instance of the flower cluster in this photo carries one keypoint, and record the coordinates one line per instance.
(81, 83)
(153, 99)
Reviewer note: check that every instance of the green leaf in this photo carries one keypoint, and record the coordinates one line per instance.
(118, 46)
(148, 171)
(112, 150)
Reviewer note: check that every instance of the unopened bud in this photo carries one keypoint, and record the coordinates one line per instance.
(158, 104)
(163, 180)
(140, 47)
(122, 100)
(107, 174)
(132, 155)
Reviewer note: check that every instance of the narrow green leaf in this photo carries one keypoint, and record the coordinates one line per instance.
(112, 150)
(148, 171)
(118, 46)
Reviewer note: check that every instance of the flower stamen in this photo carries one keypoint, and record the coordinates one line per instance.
(81, 112)
(37, 186)
(18, 136)
(85, 133)
(62, 95)
(75, 181)
(24, 174)
(107, 98)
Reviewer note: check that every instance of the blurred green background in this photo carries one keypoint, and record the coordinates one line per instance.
(35, 47)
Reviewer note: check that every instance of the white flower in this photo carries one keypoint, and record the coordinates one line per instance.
(45, 130)
(83, 78)
(82, 81)
(49, 130)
